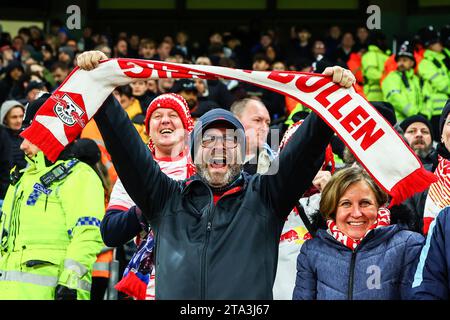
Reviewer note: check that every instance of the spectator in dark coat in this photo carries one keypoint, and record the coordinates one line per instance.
(11, 117)
(300, 43)
(360, 256)
(345, 48)
(274, 101)
(332, 40)
(197, 105)
(418, 132)
(216, 90)
(14, 71)
(431, 280)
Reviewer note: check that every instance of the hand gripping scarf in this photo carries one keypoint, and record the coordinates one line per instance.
(377, 146)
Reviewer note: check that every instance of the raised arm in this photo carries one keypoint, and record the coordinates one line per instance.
(140, 174)
(298, 164)
(302, 157)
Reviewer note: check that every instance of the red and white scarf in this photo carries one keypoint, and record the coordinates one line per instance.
(438, 195)
(368, 135)
(383, 220)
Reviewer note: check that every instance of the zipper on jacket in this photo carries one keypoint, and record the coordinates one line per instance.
(205, 247)
(351, 276)
(210, 216)
(46, 200)
(16, 210)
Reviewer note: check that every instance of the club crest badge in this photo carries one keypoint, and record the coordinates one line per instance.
(68, 111)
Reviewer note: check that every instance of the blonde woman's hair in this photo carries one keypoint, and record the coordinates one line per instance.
(339, 183)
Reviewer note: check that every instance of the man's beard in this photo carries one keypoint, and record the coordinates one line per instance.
(217, 181)
(421, 152)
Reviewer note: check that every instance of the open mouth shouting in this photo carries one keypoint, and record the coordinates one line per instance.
(218, 162)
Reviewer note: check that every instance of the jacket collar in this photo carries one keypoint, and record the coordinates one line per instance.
(196, 181)
(433, 54)
(374, 48)
(38, 162)
(409, 73)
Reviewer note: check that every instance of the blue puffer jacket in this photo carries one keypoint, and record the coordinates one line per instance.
(432, 278)
(381, 268)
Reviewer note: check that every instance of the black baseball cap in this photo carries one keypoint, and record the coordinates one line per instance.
(184, 85)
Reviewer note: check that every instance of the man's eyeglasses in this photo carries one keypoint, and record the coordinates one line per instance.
(209, 141)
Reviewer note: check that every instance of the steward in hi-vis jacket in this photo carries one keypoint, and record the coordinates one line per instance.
(49, 226)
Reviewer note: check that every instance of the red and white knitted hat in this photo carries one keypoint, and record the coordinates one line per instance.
(171, 101)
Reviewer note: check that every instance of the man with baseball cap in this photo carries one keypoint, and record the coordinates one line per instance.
(188, 90)
(402, 87)
(417, 131)
(216, 233)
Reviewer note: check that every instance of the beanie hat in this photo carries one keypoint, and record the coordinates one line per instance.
(386, 109)
(219, 118)
(86, 150)
(68, 50)
(184, 85)
(169, 101)
(444, 115)
(416, 118)
(7, 106)
(32, 108)
(34, 85)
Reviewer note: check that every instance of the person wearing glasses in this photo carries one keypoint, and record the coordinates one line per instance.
(216, 233)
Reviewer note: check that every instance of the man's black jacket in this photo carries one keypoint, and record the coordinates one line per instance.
(206, 251)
